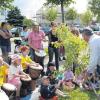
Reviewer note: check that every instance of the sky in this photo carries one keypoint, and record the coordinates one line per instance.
(30, 7)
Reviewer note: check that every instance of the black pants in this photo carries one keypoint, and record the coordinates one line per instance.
(51, 51)
(37, 59)
(32, 54)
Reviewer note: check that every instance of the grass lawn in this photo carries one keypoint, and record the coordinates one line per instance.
(77, 94)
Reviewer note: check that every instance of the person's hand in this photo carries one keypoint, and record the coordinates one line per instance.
(36, 50)
(27, 75)
(32, 64)
(37, 64)
(22, 76)
(56, 86)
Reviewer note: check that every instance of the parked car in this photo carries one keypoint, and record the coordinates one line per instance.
(45, 28)
(16, 31)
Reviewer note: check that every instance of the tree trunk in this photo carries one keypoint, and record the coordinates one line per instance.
(62, 11)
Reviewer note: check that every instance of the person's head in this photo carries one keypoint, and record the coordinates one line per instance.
(86, 34)
(75, 31)
(25, 28)
(16, 60)
(4, 25)
(35, 27)
(24, 50)
(53, 24)
(45, 80)
(51, 66)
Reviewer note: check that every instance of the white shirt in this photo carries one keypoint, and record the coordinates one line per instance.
(94, 46)
(14, 70)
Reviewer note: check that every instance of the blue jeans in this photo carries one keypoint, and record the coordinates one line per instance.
(51, 51)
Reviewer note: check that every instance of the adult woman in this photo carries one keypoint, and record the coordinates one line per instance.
(52, 39)
(5, 43)
(35, 39)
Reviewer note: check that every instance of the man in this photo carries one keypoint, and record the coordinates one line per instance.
(94, 47)
(5, 43)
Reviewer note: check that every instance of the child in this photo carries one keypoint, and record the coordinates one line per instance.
(3, 71)
(25, 59)
(60, 75)
(68, 79)
(15, 73)
(49, 91)
(51, 73)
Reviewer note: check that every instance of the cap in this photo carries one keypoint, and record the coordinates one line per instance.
(15, 57)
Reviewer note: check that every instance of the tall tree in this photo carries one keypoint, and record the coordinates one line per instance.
(95, 8)
(62, 3)
(71, 14)
(51, 14)
(14, 17)
(6, 3)
(27, 22)
(86, 17)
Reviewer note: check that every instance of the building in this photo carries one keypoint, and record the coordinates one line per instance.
(41, 19)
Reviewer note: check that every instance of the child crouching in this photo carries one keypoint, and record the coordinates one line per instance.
(51, 73)
(25, 59)
(68, 80)
(49, 91)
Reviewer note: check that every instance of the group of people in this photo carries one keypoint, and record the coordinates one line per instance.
(14, 67)
(51, 79)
